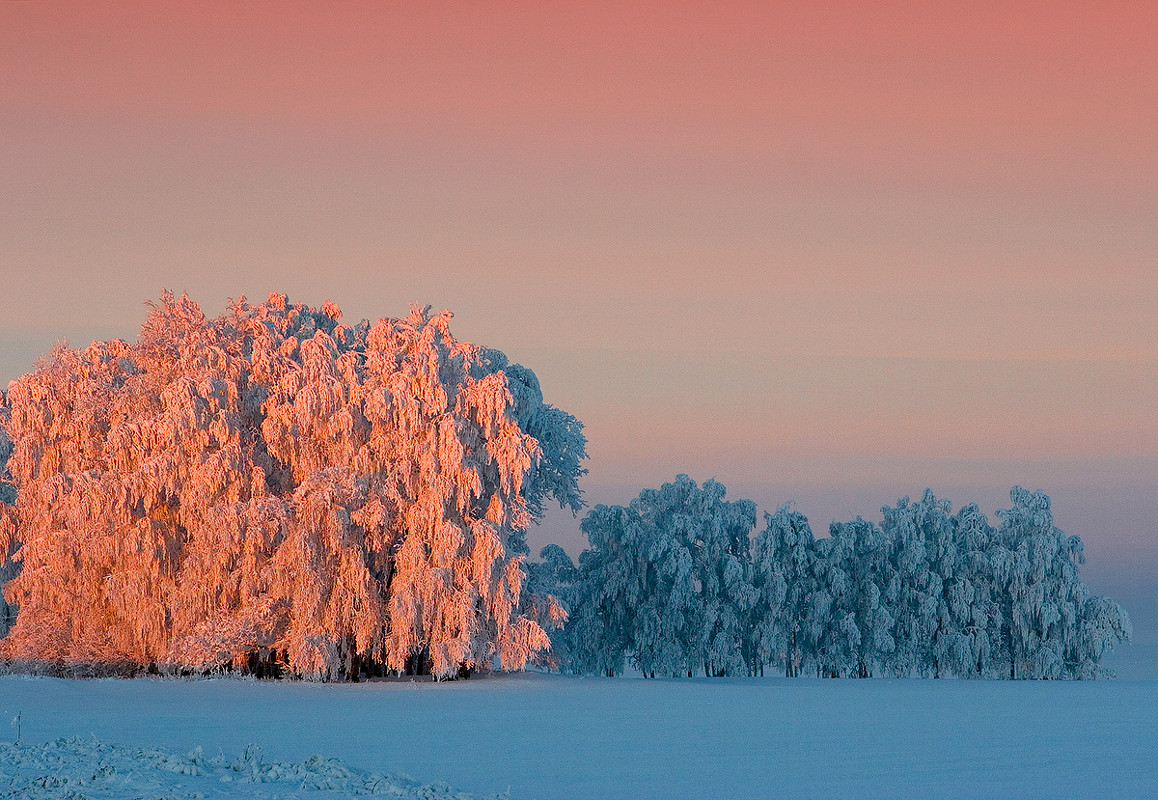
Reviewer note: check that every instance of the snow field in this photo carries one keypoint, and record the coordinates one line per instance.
(548, 737)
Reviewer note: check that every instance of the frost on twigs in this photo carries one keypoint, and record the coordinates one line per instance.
(275, 484)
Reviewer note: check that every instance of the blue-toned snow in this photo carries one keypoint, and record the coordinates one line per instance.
(546, 737)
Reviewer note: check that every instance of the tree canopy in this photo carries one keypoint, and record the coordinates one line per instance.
(272, 482)
(679, 583)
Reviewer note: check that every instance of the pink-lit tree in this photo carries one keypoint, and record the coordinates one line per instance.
(275, 484)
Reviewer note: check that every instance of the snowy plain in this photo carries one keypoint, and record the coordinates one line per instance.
(547, 737)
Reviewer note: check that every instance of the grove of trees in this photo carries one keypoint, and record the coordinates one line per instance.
(278, 491)
(675, 584)
(275, 491)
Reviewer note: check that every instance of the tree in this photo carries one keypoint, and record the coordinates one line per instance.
(973, 596)
(1043, 597)
(547, 594)
(924, 565)
(1103, 624)
(857, 627)
(666, 583)
(612, 582)
(782, 563)
(8, 567)
(717, 533)
(273, 484)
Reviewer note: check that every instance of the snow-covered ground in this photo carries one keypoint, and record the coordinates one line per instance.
(545, 736)
(89, 769)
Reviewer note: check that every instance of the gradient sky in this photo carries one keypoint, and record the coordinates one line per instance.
(830, 253)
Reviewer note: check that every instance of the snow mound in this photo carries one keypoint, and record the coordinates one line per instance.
(89, 769)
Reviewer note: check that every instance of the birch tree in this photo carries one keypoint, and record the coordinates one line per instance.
(782, 562)
(8, 567)
(273, 483)
(665, 583)
(1043, 596)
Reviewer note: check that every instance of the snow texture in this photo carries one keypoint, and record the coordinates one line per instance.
(552, 737)
(78, 768)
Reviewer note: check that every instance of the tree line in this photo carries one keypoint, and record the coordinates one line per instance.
(274, 491)
(676, 584)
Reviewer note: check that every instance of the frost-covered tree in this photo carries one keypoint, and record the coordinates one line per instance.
(547, 593)
(826, 612)
(922, 557)
(857, 625)
(1037, 569)
(8, 567)
(667, 634)
(638, 579)
(7, 490)
(912, 590)
(972, 596)
(665, 583)
(717, 532)
(612, 583)
(1102, 625)
(782, 564)
(274, 484)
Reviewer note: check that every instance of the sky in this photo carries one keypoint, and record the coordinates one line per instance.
(826, 253)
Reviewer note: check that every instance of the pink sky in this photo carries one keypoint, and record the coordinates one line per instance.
(832, 255)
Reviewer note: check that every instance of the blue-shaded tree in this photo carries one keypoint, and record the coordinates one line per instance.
(972, 596)
(8, 567)
(665, 583)
(855, 629)
(782, 559)
(1043, 600)
(920, 537)
(613, 581)
(547, 592)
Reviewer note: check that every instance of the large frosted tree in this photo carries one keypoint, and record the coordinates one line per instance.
(274, 484)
